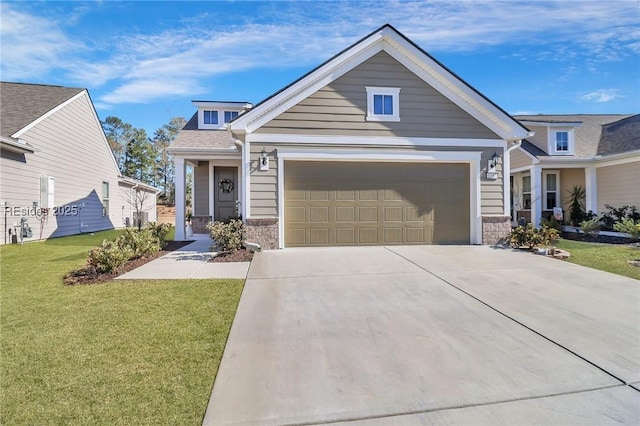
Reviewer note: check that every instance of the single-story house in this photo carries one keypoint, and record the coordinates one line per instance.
(381, 144)
(59, 176)
(600, 153)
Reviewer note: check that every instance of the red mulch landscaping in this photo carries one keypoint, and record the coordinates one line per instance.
(88, 275)
(233, 256)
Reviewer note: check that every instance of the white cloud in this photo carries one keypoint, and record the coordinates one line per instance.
(32, 46)
(602, 95)
(144, 67)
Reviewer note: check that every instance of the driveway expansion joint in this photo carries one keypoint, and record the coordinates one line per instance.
(452, 407)
(623, 382)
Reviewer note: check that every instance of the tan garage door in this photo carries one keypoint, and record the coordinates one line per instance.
(347, 203)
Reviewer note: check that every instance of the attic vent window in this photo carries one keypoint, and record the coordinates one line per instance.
(383, 103)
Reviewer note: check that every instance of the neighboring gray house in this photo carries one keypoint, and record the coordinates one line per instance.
(598, 152)
(57, 170)
(379, 145)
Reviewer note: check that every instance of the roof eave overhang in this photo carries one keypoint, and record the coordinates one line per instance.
(16, 145)
(134, 183)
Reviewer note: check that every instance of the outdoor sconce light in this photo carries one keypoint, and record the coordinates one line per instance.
(264, 160)
(492, 174)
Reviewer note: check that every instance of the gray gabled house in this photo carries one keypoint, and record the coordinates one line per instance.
(58, 174)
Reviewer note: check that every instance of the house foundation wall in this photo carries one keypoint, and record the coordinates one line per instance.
(263, 231)
(495, 229)
(199, 224)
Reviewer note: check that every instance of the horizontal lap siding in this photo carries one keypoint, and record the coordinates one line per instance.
(568, 179)
(71, 148)
(619, 185)
(519, 159)
(340, 107)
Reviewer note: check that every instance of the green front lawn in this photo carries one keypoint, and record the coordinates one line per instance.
(136, 352)
(606, 257)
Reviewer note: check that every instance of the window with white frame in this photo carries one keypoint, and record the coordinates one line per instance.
(105, 198)
(526, 192)
(210, 117)
(230, 115)
(383, 104)
(562, 141)
(551, 192)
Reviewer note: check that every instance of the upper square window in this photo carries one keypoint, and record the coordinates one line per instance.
(562, 141)
(383, 104)
(230, 115)
(210, 117)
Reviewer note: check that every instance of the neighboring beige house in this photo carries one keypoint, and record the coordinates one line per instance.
(600, 153)
(57, 170)
(379, 145)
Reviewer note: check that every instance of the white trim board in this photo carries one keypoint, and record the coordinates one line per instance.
(472, 158)
(276, 138)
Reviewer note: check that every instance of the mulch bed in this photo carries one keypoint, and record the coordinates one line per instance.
(88, 275)
(233, 256)
(603, 239)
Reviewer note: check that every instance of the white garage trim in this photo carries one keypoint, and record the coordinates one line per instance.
(373, 140)
(472, 158)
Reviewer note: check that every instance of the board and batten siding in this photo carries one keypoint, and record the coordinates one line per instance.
(340, 108)
(201, 189)
(619, 185)
(71, 149)
(264, 184)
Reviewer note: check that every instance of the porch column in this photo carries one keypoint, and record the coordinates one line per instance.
(506, 183)
(181, 199)
(536, 195)
(213, 186)
(591, 184)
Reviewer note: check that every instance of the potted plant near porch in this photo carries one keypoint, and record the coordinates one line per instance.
(189, 229)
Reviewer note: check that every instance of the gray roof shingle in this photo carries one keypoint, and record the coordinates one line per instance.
(23, 103)
(587, 134)
(620, 136)
(191, 137)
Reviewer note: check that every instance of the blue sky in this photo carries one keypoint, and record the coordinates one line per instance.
(145, 61)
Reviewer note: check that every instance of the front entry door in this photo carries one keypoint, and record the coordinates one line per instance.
(226, 192)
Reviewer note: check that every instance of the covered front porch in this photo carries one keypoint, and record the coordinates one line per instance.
(208, 188)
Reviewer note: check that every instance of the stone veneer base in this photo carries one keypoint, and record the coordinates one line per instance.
(495, 229)
(263, 231)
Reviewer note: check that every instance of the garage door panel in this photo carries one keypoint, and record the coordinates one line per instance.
(345, 214)
(368, 236)
(375, 203)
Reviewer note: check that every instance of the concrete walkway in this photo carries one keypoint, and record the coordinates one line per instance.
(188, 262)
(429, 335)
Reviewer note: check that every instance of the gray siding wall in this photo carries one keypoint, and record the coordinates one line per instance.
(341, 107)
(201, 188)
(619, 185)
(71, 149)
(264, 184)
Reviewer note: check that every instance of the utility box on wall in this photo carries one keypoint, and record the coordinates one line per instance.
(46, 192)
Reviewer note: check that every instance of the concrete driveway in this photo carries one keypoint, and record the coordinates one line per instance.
(429, 334)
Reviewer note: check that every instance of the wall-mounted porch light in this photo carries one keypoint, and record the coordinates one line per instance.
(492, 173)
(264, 160)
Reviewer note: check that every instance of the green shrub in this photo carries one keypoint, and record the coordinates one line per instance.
(551, 222)
(531, 237)
(110, 256)
(577, 212)
(628, 226)
(142, 243)
(228, 235)
(590, 227)
(160, 231)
